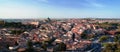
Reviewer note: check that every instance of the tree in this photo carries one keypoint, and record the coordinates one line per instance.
(60, 47)
(91, 36)
(17, 32)
(111, 47)
(2, 22)
(30, 46)
(108, 48)
(51, 40)
(47, 42)
(84, 36)
(117, 38)
(103, 38)
(44, 45)
(73, 36)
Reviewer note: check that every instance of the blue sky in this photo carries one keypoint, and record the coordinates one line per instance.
(59, 8)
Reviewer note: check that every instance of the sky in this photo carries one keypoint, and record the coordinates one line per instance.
(14, 9)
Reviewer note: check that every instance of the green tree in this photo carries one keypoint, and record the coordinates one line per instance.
(84, 36)
(103, 38)
(17, 32)
(109, 47)
(60, 47)
(117, 38)
(44, 45)
(30, 46)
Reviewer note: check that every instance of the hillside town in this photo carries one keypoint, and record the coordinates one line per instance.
(72, 35)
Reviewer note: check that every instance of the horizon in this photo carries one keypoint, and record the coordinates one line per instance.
(41, 9)
(54, 18)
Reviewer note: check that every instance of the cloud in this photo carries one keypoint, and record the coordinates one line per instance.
(46, 1)
(97, 5)
(94, 3)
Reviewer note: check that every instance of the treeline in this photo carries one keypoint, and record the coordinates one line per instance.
(16, 25)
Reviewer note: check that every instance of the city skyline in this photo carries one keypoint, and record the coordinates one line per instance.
(59, 8)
